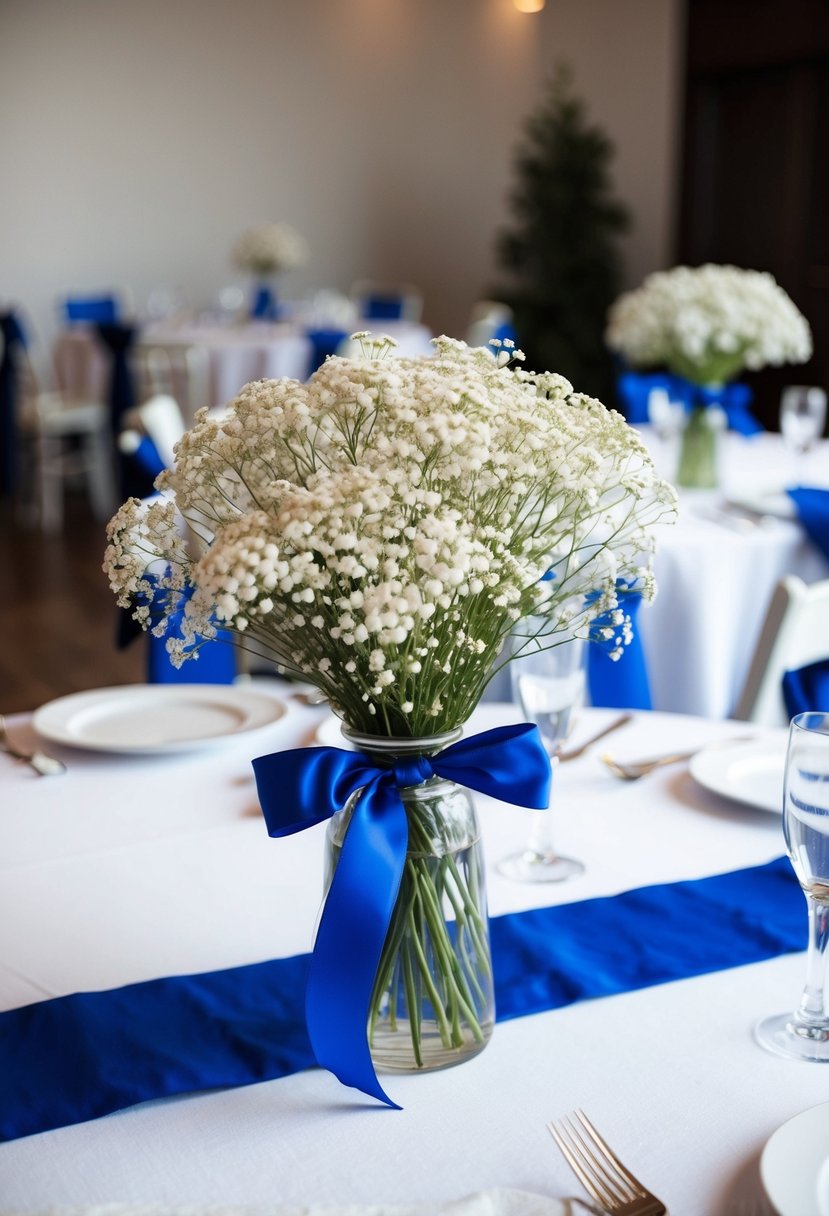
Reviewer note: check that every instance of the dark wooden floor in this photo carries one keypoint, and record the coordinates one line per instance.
(57, 614)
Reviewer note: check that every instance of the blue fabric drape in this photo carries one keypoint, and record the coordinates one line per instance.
(324, 342)
(78, 1057)
(382, 308)
(93, 309)
(806, 688)
(634, 389)
(812, 505)
(264, 306)
(11, 348)
(619, 683)
(118, 340)
(216, 663)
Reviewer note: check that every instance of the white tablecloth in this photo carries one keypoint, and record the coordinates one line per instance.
(237, 353)
(126, 869)
(716, 576)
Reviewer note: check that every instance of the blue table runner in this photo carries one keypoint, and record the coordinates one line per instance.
(74, 1058)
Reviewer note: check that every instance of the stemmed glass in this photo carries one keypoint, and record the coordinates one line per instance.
(804, 1034)
(802, 418)
(547, 684)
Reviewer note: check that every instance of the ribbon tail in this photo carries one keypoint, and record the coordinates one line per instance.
(352, 931)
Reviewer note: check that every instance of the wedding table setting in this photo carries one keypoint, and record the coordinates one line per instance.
(357, 938)
(135, 866)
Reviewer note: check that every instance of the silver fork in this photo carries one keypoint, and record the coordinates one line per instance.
(46, 766)
(600, 1171)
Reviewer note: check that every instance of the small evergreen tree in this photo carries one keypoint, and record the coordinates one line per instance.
(562, 250)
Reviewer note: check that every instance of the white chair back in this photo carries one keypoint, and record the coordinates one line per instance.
(178, 371)
(795, 632)
(161, 419)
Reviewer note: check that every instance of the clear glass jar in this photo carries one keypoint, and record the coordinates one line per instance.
(699, 450)
(432, 1004)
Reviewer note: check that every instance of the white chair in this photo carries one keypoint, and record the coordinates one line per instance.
(378, 301)
(795, 632)
(62, 439)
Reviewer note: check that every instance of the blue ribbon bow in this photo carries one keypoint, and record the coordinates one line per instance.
(303, 787)
(635, 388)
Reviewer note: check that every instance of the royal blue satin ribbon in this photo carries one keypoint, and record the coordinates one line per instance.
(305, 786)
(635, 388)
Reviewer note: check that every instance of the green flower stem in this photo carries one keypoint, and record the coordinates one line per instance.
(441, 942)
(414, 942)
(413, 1005)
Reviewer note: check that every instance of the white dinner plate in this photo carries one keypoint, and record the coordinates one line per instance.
(154, 718)
(768, 502)
(751, 773)
(793, 1161)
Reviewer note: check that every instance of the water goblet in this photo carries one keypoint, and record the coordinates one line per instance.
(548, 683)
(802, 418)
(804, 1034)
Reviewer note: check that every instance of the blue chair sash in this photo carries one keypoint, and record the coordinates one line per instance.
(73, 1058)
(215, 664)
(264, 306)
(619, 683)
(13, 344)
(383, 308)
(93, 309)
(806, 688)
(324, 342)
(812, 506)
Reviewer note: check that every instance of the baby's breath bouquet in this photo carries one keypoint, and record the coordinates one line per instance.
(708, 324)
(380, 531)
(268, 249)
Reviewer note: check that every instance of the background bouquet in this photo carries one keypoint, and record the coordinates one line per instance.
(267, 249)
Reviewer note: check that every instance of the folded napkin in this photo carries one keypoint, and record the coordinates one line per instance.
(483, 1203)
(807, 688)
(812, 506)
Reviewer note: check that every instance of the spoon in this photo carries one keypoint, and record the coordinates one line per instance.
(46, 766)
(573, 752)
(633, 770)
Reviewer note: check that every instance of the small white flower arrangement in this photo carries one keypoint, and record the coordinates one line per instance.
(708, 323)
(267, 249)
(382, 528)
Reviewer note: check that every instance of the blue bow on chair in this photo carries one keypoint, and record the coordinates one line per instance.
(635, 388)
(93, 309)
(324, 342)
(300, 788)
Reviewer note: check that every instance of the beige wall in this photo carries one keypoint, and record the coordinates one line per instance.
(142, 137)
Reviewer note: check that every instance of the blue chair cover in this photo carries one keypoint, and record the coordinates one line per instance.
(619, 683)
(806, 689)
(634, 389)
(216, 662)
(117, 339)
(382, 308)
(265, 306)
(103, 309)
(505, 333)
(324, 342)
(812, 506)
(144, 464)
(14, 341)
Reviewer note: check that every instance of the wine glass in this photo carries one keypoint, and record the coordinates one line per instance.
(547, 683)
(802, 418)
(804, 1034)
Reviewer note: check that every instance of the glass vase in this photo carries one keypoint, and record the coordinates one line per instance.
(432, 1005)
(699, 451)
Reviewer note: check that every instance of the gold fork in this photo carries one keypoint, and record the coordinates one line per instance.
(600, 1171)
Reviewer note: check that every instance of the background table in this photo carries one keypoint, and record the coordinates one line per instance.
(716, 574)
(124, 869)
(237, 353)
